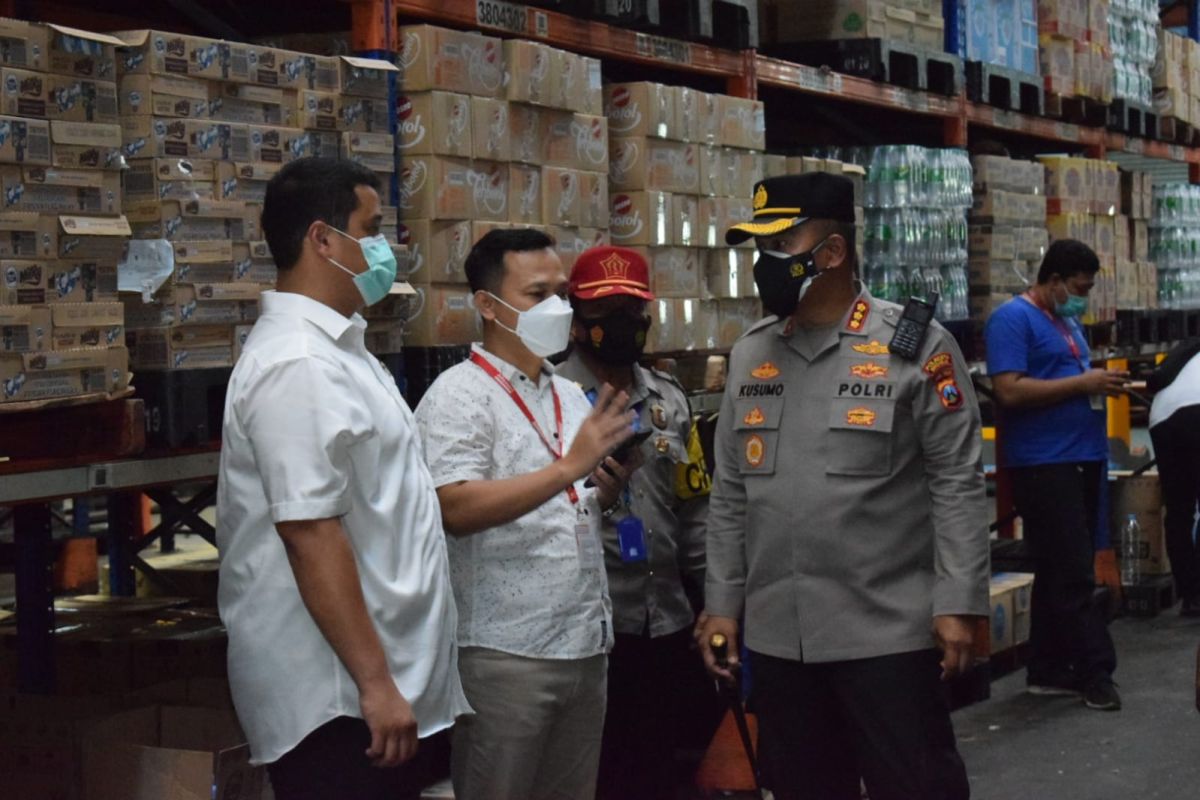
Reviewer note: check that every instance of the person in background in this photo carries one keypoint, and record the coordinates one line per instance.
(653, 534)
(334, 582)
(848, 517)
(510, 444)
(1175, 434)
(1054, 445)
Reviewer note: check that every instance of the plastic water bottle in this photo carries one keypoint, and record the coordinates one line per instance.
(1131, 536)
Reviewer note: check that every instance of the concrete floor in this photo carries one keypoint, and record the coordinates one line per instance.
(1020, 747)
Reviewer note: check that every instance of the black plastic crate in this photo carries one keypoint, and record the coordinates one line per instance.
(1148, 598)
(184, 407)
(880, 60)
(1004, 88)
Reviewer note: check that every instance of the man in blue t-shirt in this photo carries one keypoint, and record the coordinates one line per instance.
(1052, 423)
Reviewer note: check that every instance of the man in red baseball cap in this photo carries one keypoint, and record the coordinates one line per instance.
(653, 535)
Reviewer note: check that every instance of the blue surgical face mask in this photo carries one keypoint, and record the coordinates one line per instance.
(376, 281)
(1074, 306)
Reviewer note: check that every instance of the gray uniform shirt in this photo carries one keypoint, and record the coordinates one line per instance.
(651, 594)
(848, 506)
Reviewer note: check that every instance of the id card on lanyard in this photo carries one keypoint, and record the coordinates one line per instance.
(587, 539)
(1095, 401)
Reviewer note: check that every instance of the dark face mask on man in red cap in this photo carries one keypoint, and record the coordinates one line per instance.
(610, 287)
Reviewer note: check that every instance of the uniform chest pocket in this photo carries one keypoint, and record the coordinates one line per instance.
(859, 440)
(756, 425)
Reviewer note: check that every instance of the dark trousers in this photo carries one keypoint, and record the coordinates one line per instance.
(331, 764)
(1177, 449)
(660, 707)
(1058, 504)
(885, 720)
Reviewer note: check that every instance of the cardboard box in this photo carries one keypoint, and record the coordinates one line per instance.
(593, 200)
(714, 176)
(455, 61)
(641, 219)
(579, 85)
(86, 145)
(164, 96)
(366, 77)
(1142, 497)
(650, 164)
(36, 94)
(437, 250)
(526, 132)
(690, 106)
(531, 72)
(168, 179)
(46, 375)
(442, 315)
(188, 347)
(27, 234)
(331, 111)
(743, 122)
(1000, 597)
(245, 182)
(685, 221)
(247, 104)
(25, 329)
(490, 134)
(24, 141)
(434, 123)
(155, 137)
(155, 52)
(675, 272)
(24, 45)
(92, 238)
(729, 273)
(560, 197)
(643, 109)
(435, 187)
(575, 141)
(375, 151)
(170, 752)
(80, 325)
(525, 194)
(51, 190)
(195, 220)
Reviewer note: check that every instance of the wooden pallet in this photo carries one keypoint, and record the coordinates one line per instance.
(1005, 88)
(1075, 109)
(1132, 119)
(1176, 131)
(903, 65)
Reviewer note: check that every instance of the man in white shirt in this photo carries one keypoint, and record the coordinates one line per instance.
(334, 579)
(510, 445)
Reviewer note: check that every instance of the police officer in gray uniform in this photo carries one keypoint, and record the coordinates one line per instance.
(848, 519)
(653, 535)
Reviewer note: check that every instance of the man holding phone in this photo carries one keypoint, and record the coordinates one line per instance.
(653, 535)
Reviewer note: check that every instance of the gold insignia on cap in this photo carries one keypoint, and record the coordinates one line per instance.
(760, 197)
(615, 266)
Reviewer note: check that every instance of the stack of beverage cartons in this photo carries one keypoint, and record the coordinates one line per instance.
(1133, 33)
(1083, 196)
(491, 134)
(1007, 231)
(1137, 275)
(682, 169)
(206, 124)
(1176, 79)
(61, 229)
(1076, 59)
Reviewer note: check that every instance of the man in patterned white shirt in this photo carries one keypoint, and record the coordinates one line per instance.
(509, 445)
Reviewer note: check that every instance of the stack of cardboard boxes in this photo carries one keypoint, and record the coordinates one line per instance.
(1011, 596)
(682, 169)
(1137, 276)
(205, 125)
(1007, 234)
(1176, 79)
(61, 229)
(491, 134)
(1076, 59)
(1082, 199)
(912, 22)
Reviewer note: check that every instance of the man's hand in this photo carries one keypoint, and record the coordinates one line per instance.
(954, 635)
(610, 486)
(602, 432)
(1112, 382)
(392, 724)
(706, 627)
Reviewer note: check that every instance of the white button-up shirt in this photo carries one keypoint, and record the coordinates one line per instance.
(315, 428)
(521, 588)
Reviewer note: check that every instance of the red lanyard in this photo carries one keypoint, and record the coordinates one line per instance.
(1063, 329)
(504, 383)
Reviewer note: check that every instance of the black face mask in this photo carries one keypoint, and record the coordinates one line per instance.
(616, 339)
(781, 279)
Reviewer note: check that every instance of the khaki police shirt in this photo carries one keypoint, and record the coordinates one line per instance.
(669, 493)
(848, 506)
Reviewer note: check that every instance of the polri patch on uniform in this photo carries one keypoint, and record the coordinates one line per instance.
(868, 369)
(939, 363)
(658, 415)
(765, 371)
(871, 348)
(858, 316)
(756, 451)
(861, 416)
(754, 417)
